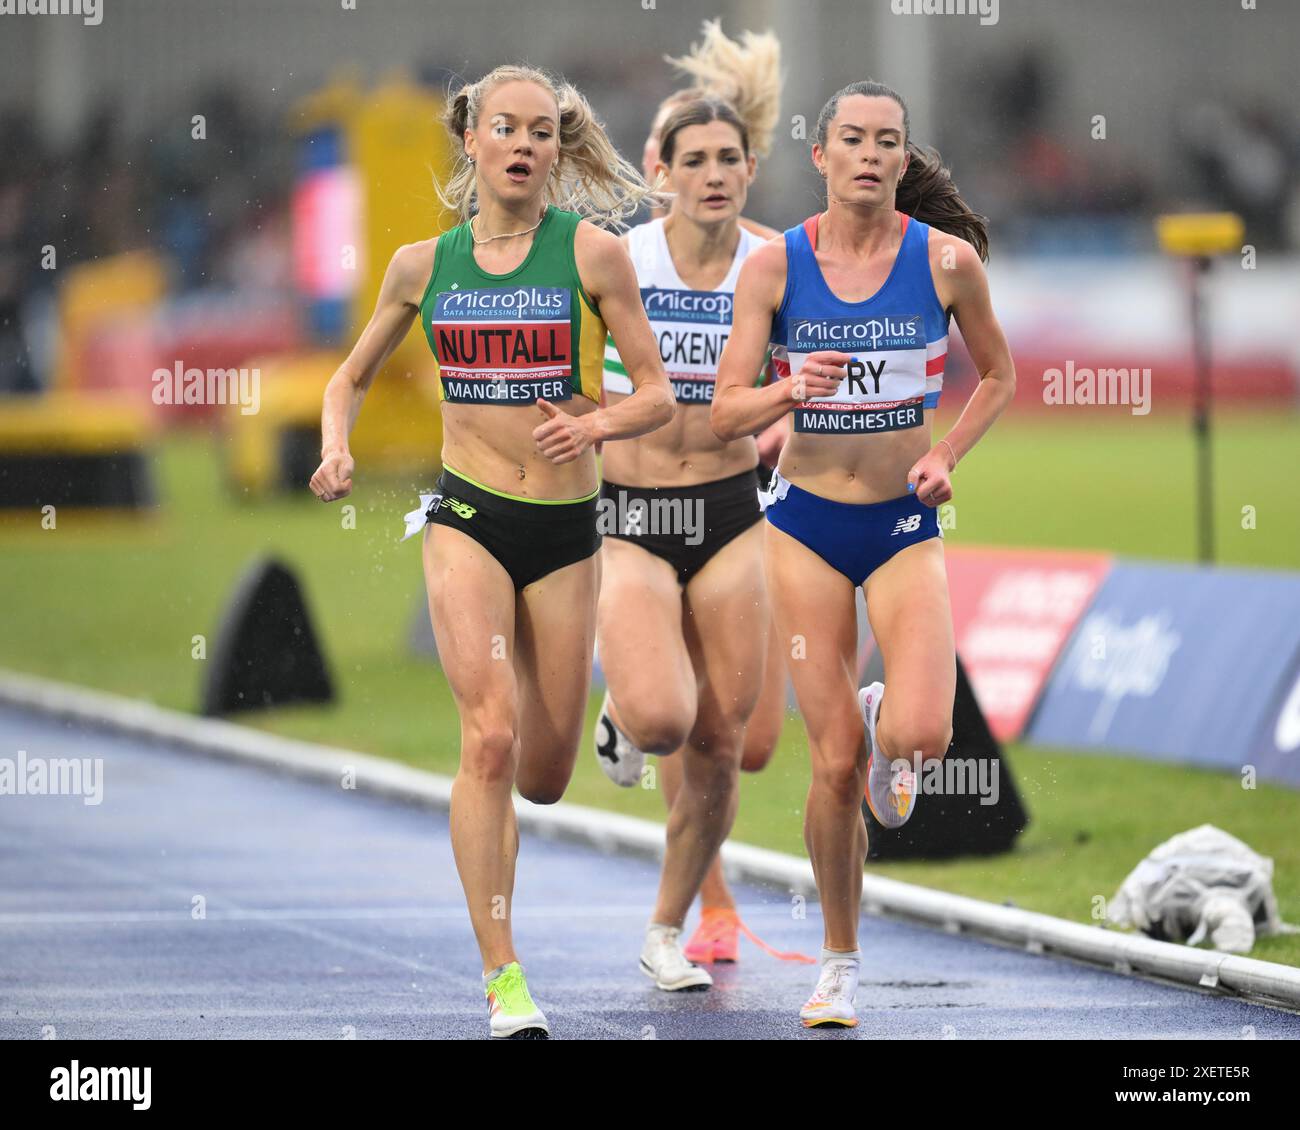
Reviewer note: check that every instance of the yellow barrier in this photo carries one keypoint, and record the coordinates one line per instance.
(388, 441)
(393, 140)
(72, 424)
(92, 293)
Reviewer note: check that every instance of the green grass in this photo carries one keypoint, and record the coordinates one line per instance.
(115, 604)
(1126, 484)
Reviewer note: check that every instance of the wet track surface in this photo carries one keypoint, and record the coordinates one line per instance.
(325, 913)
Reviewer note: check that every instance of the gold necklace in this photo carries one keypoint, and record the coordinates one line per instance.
(503, 235)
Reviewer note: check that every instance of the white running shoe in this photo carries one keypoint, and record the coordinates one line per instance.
(832, 1000)
(890, 796)
(619, 758)
(663, 961)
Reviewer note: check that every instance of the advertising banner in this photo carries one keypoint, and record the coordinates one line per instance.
(1184, 664)
(1012, 613)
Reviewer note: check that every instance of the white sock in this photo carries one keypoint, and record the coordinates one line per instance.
(835, 955)
(493, 974)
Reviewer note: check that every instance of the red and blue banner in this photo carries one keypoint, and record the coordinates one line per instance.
(1012, 613)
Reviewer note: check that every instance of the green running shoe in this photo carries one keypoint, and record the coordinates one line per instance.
(511, 1011)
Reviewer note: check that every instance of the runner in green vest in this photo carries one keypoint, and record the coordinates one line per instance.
(515, 303)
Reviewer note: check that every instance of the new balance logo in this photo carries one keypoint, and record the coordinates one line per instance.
(465, 510)
(907, 525)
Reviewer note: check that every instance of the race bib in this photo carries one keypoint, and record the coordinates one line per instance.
(691, 327)
(884, 390)
(503, 345)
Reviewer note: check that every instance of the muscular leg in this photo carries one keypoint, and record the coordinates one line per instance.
(764, 728)
(907, 604)
(725, 623)
(762, 732)
(556, 634)
(815, 613)
(472, 609)
(642, 653)
(714, 891)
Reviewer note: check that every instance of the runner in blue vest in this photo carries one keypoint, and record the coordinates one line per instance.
(856, 303)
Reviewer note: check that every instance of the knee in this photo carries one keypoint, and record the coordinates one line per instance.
(489, 753)
(841, 778)
(544, 772)
(760, 744)
(720, 732)
(655, 731)
(913, 733)
(838, 770)
(540, 792)
(712, 777)
(715, 766)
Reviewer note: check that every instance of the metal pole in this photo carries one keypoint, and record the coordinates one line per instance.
(1201, 413)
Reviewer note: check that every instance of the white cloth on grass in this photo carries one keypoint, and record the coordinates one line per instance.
(1203, 883)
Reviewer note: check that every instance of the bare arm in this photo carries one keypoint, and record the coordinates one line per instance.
(608, 276)
(963, 287)
(740, 409)
(771, 441)
(968, 296)
(388, 325)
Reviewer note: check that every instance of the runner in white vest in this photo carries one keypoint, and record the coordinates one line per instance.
(683, 620)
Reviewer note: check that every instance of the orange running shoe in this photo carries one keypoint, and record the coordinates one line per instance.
(716, 938)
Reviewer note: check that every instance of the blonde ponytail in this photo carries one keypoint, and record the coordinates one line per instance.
(745, 73)
(589, 177)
